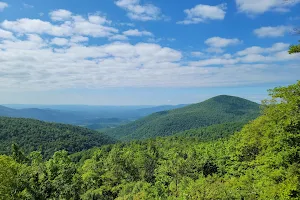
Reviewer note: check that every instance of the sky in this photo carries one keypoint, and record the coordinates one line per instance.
(145, 52)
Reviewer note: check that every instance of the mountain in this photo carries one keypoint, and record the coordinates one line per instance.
(32, 135)
(217, 110)
(43, 114)
(82, 115)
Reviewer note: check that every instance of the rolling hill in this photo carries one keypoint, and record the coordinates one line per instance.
(217, 110)
(48, 137)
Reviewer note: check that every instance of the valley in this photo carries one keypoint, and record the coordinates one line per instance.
(210, 150)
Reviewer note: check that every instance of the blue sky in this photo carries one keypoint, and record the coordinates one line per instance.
(138, 52)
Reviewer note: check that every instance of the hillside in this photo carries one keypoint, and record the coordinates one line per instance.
(33, 135)
(213, 132)
(217, 110)
(262, 161)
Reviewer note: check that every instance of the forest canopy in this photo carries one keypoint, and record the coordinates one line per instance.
(262, 161)
(32, 135)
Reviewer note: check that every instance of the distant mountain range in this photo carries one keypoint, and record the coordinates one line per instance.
(217, 110)
(94, 117)
(42, 114)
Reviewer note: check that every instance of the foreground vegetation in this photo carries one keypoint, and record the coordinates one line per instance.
(262, 161)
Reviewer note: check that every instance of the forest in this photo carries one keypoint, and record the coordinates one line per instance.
(216, 110)
(261, 161)
(32, 135)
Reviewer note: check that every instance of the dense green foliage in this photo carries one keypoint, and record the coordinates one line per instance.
(262, 161)
(104, 123)
(217, 110)
(34, 135)
(294, 49)
(213, 132)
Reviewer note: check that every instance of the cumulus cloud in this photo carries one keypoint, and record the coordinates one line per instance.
(38, 26)
(201, 13)
(137, 11)
(42, 55)
(76, 25)
(97, 19)
(60, 15)
(259, 50)
(79, 38)
(3, 5)
(6, 34)
(197, 53)
(276, 53)
(136, 32)
(59, 41)
(269, 31)
(216, 44)
(254, 7)
(34, 64)
(118, 37)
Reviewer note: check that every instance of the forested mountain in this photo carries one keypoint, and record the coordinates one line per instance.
(48, 137)
(262, 161)
(217, 110)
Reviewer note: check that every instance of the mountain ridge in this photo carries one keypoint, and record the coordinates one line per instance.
(216, 110)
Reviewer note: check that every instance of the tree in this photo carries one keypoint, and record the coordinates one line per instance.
(294, 49)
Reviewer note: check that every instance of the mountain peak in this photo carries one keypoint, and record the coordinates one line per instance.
(216, 110)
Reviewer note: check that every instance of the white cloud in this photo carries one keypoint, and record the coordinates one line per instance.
(26, 25)
(25, 5)
(197, 53)
(136, 11)
(136, 32)
(254, 7)
(3, 5)
(97, 19)
(33, 64)
(79, 38)
(118, 37)
(221, 42)
(216, 44)
(202, 13)
(87, 28)
(276, 53)
(259, 50)
(275, 31)
(6, 34)
(58, 55)
(214, 61)
(59, 41)
(76, 26)
(60, 15)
